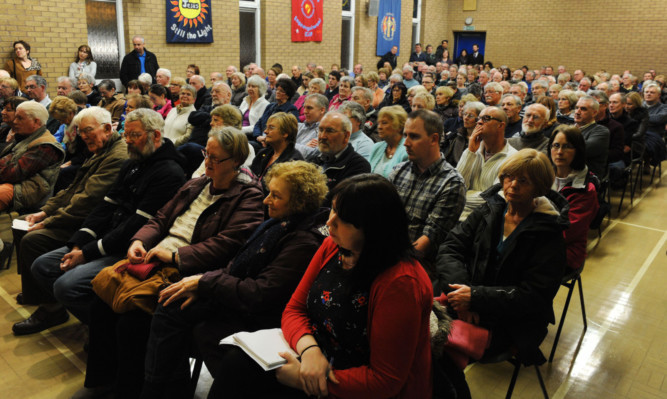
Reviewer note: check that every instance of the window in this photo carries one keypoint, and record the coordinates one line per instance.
(416, 22)
(249, 32)
(103, 39)
(347, 35)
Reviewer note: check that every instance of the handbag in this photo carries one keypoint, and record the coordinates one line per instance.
(120, 288)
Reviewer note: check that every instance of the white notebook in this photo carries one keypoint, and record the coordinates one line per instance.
(262, 346)
(18, 224)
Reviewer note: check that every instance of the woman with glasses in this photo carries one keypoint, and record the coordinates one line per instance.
(200, 228)
(503, 265)
(567, 151)
(567, 99)
(456, 142)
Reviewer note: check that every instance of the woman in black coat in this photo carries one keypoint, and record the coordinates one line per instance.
(464, 58)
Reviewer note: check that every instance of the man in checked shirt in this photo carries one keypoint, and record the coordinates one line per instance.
(432, 191)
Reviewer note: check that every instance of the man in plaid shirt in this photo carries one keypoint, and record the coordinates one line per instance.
(431, 189)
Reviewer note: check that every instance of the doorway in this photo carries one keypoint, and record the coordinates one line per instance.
(465, 40)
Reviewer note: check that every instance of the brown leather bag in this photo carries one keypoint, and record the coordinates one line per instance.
(124, 292)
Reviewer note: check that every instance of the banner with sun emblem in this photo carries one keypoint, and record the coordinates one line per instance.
(389, 26)
(307, 20)
(189, 21)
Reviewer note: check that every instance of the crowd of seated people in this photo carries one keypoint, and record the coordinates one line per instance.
(314, 203)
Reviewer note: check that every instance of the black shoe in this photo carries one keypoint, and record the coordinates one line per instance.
(19, 299)
(40, 321)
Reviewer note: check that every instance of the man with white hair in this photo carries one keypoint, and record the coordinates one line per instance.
(657, 119)
(596, 136)
(493, 93)
(30, 162)
(584, 84)
(511, 104)
(65, 85)
(296, 75)
(203, 96)
(138, 61)
(408, 77)
(531, 136)
(63, 214)
(163, 76)
(35, 89)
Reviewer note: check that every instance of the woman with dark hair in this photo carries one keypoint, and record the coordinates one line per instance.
(502, 266)
(83, 63)
(285, 89)
(271, 79)
(507, 73)
(398, 96)
(280, 138)
(359, 318)
(134, 87)
(8, 115)
(464, 58)
(639, 116)
(22, 64)
(161, 104)
(567, 151)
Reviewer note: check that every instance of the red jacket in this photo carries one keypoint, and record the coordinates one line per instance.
(398, 329)
(583, 199)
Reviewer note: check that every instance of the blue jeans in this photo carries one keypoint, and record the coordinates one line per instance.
(71, 288)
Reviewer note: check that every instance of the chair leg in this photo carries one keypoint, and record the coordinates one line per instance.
(620, 204)
(638, 179)
(515, 375)
(570, 287)
(583, 307)
(539, 377)
(195, 376)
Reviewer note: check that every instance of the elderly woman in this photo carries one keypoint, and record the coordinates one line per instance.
(112, 102)
(86, 83)
(639, 115)
(361, 143)
(254, 104)
(285, 89)
(567, 99)
(280, 136)
(83, 63)
(271, 78)
(344, 93)
(63, 110)
(454, 143)
(444, 106)
(202, 227)
(238, 80)
(503, 265)
(175, 89)
(361, 80)
(22, 64)
(315, 86)
(554, 90)
(567, 151)
(176, 123)
(552, 123)
(161, 104)
(359, 317)
(248, 294)
(8, 115)
(374, 84)
(423, 100)
(390, 151)
(397, 95)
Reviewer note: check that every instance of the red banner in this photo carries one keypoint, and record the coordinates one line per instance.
(307, 20)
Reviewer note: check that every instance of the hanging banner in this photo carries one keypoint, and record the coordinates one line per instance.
(389, 26)
(189, 21)
(307, 20)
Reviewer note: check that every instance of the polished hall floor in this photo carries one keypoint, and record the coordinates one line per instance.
(622, 355)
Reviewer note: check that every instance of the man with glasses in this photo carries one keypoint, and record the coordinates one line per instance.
(35, 89)
(531, 135)
(338, 158)
(486, 152)
(493, 92)
(145, 183)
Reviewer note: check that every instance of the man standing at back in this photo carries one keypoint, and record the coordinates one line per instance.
(433, 192)
(138, 61)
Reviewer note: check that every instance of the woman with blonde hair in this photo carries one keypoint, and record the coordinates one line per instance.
(390, 151)
(238, 81)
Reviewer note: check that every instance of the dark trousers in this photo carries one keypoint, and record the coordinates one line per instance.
(117, 349)
(193, 156)
(33, 245)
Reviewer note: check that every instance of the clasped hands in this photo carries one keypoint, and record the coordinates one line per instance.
(310, 374)
(459, 300)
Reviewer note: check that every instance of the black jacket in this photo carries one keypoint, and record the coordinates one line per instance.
(130, 68)
(259, 164)
(348, 164)
(512, 291)
(201, 125)
(271, 109)
(142, 187)
(203, 98)
(388, 57)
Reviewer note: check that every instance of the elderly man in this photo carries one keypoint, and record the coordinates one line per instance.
(531, 136)
(493, 93)
(65, 85)
(578, 75)
(163, 77)
(361, 143)
(138, 61)
(584, 85)
(215, 77)
(616, 136)
(145, 183)
(596, 136)
(111, 101)
(337, 157)
(483, 78)
(539, 89)
(432, 191)
(357, 70)
(657, 119)
(364, 97)
(35, 89)
(29, 163)
(408, 77)
(296, 75)
(203, 96)
(390, 57)
(314, 108)
(486, 152)
(512, 105)
(63, 214)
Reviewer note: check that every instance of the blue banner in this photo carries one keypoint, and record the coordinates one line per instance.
(189, 21)
(389, 26)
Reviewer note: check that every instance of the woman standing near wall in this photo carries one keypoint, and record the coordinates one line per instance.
(83, 63)
(22, 65)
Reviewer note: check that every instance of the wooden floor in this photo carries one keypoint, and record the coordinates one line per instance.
(622, 355)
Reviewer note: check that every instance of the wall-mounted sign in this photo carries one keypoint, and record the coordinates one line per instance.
(189, 21)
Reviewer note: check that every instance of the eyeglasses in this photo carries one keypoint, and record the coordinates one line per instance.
(532, 116)
(87, 131)
(210, 158)
(507, 178)
(565, 146)
(488, 118)
(471, 116)
(133, 136)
